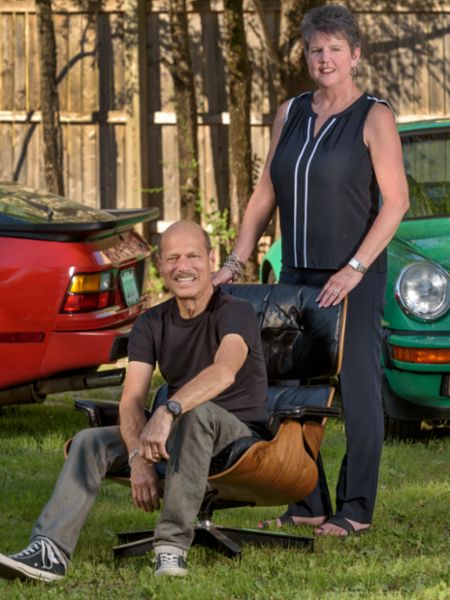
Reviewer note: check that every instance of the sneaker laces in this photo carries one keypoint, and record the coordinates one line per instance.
(50, 553)
(167, 559)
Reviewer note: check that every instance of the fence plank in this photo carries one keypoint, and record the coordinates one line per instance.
(35, 175)
(7, 65)
(74, 76)
(435, 68)
(89, 65)
(89, 158)
(170, 173)
(6, 155)
(20, 44)
(121, 183)
(445, 76)
(19, 131)
(62, 34)
(33, 67)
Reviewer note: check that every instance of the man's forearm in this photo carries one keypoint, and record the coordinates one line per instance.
(132, 422)
(205, 386)
(132, 403)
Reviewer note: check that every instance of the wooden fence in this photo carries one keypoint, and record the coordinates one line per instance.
(116, 92)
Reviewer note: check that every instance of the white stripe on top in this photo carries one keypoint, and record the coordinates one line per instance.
(289, 108)
(294, 223)
(305, 224)
(290, 104)
(381, 101)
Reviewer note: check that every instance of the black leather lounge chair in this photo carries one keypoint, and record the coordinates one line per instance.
(303, 347)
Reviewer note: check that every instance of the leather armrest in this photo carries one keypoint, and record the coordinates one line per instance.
(100, 413)
(301, 414)
(298, 413)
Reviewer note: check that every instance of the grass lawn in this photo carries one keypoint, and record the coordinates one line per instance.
(405, 555)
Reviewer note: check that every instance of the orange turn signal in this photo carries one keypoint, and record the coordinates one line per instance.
(91, 282)
(431, 356)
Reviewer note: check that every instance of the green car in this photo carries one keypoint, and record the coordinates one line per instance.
(416, 349)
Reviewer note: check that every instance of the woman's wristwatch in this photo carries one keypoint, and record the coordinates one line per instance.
(357, 265)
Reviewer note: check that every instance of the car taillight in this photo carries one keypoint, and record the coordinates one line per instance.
(90, 291)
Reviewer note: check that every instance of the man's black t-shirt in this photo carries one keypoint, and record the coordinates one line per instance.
(184, 347)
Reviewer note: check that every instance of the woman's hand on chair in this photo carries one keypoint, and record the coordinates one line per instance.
(338, 287)
(224, 275)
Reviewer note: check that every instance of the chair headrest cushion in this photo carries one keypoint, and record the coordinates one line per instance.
(300, 340)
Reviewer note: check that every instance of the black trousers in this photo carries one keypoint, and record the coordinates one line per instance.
(360, 381)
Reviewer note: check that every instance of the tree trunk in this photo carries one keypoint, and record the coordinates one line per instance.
(288, 68)
(239, 140)
(186, 111)
(294, 72)
(239, 101)
(52, 134)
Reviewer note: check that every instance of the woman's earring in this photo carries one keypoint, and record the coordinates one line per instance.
(354, 71)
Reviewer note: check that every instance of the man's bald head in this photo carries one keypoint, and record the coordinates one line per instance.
(181, 229)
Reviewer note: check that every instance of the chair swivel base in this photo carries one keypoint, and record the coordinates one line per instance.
(225, 540)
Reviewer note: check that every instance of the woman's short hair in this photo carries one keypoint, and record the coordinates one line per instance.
(331, 19)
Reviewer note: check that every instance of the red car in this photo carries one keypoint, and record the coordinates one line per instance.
(71, 285)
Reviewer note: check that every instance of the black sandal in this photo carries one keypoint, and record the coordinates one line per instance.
(344, 524)
(286, 519)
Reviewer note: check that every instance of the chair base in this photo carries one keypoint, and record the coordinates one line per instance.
(225, 540)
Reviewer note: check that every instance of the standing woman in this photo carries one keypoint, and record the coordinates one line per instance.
(333, 152)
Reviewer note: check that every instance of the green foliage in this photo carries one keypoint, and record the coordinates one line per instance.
(216, 222)
(403, 557)
(153, 190)
(154, 283)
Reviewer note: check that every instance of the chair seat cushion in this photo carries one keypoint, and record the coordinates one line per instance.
(229, 455)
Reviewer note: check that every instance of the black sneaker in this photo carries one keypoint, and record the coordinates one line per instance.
(170, 564)
(42, 560)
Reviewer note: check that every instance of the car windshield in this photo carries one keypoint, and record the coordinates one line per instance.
(18, 204)
(427, 163)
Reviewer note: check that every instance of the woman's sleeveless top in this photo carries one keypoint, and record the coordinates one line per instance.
(325, 186)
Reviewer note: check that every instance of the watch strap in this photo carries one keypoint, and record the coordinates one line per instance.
(357, 265)
(132, 456)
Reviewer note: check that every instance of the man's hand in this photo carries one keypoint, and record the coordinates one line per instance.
(152, 441)
(144, 485)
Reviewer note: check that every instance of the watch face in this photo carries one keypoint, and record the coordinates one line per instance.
(174, 407)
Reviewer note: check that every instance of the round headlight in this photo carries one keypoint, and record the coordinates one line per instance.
(423, 290)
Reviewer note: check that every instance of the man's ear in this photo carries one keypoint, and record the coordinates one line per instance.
(212, 258)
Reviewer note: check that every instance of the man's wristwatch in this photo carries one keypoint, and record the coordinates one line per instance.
(357, 265)
(174, 408)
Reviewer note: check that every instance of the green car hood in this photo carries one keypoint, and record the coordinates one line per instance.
(429, 238)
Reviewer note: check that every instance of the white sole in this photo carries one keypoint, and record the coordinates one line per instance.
(171, 573)
(12, 569)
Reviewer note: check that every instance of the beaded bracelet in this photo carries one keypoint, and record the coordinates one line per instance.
(236, 266)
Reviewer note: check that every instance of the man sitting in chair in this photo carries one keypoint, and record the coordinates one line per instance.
(208, 347)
